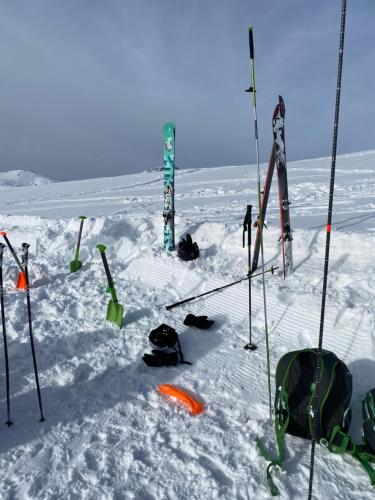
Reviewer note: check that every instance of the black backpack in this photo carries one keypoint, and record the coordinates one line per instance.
(295, 393)
(187, 250)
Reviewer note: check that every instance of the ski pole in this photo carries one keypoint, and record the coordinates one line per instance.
(76, 263)
(247, 228)
(316, 401)
(252, 90)
(185, 301)
(12, 251)
(8, 422)
(25, 258)
(21, 282)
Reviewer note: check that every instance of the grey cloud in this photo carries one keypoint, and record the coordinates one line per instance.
(85, 86)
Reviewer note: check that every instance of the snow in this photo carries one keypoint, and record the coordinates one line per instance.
(108, 433)
(17, 178)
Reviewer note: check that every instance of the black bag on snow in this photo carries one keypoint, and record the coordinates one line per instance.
(166, 348)
(187, 250)
(295, 393)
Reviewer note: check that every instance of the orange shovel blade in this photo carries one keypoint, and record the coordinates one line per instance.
(174, 392)
(21, 282)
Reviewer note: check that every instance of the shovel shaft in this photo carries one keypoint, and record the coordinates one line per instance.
(112, 291)
(115, 310)
(79, 237)
(111, 285)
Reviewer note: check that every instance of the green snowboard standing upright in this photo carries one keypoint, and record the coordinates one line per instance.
(169, 163)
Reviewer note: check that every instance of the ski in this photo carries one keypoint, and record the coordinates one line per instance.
(169, 167)
(279, 142)
(265, 196)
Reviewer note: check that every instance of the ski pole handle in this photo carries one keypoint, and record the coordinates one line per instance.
(247, 226)
(102, 249)
(168, 308)
(25, 254)
(249, 207)
(251, 42)
(2, 246)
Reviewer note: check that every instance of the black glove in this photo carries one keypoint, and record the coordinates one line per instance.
(161, 358)
(198, 321)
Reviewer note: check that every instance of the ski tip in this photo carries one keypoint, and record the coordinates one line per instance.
(3, 233)
(169, 124)
(282, 105)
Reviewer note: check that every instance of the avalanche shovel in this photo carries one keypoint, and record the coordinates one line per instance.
(77, 264)
(115, 310)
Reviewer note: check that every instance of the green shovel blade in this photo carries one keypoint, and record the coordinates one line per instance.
(115, 312)
(75, 265)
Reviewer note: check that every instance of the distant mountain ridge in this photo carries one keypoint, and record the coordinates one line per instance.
(19, 178)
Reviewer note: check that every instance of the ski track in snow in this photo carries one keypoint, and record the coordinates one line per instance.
(107, 433)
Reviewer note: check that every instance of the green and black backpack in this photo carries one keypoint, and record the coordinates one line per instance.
(295, 392)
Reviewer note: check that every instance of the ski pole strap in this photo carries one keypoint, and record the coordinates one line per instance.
(340, 442)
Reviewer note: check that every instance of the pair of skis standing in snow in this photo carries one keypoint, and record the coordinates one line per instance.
(278, 158)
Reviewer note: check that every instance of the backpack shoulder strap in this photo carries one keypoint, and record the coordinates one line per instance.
(281, 425)
(281, 420)
(340, 442)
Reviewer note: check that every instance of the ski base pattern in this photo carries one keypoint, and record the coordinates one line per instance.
(279, 141)
(169, 166)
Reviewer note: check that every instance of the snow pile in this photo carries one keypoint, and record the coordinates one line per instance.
(108, 434)
(18, 178)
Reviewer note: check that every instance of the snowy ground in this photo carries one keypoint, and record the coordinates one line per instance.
(107, 433)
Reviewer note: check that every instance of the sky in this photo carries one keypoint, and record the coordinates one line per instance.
(86, 85)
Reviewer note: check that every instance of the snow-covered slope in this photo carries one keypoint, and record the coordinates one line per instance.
(108, 434)
(17, 178)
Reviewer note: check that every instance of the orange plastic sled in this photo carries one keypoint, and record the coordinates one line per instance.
(169, 390)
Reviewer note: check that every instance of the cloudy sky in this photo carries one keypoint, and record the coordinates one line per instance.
(86, 85)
